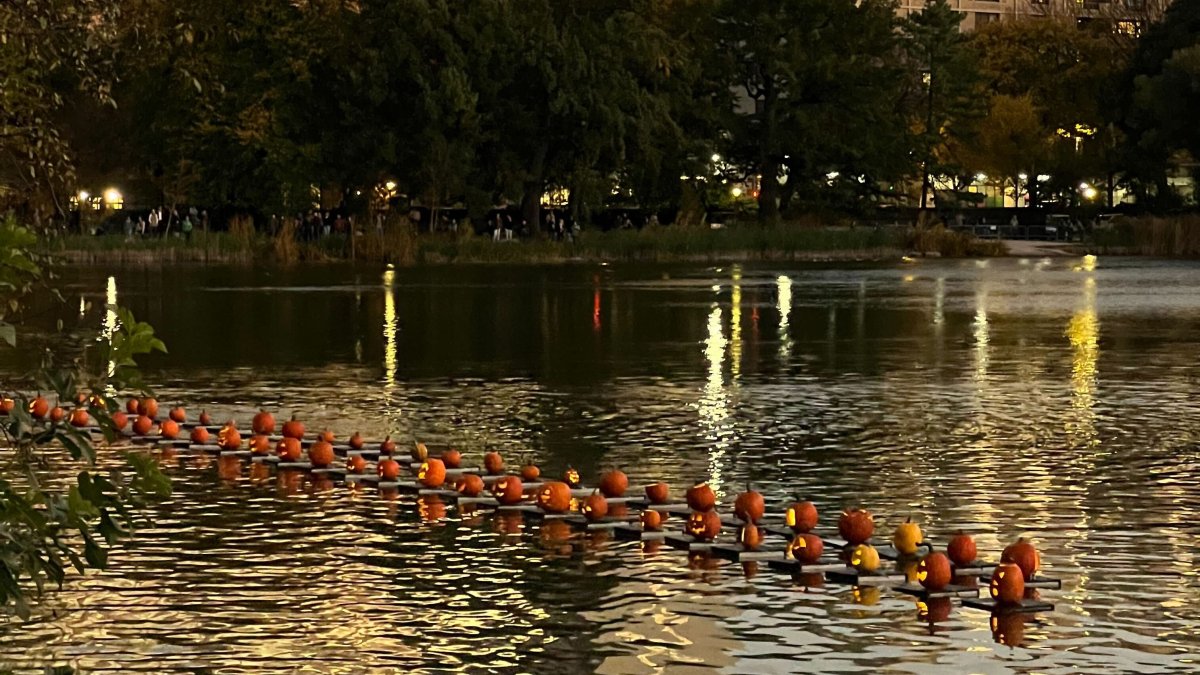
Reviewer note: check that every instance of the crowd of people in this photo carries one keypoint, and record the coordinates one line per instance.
(163, 221)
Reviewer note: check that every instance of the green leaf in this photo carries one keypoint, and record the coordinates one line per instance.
(8, 333)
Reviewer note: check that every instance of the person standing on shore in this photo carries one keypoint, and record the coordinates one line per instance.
(152, 222)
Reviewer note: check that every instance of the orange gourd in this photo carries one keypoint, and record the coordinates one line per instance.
(934, 571)
(703, 525)
(148, 407)
(801, 517)
(288, 449)
(432, 473)
(199, 435)
(749, 506)
(1022, 554)
(700, 497)
(508, 490)
(493, 463)
(178, 415)
(356, 441)
(388, 446)
(614, 483)
(143, 425)
(293, 428)
(554, 497)
(652, 520)
(320, 454)
(470, 485)
(80, 418)
(452, 459)
(856, 525)
(205, 419)
(169, 429)
(961, 550)
(263, 423)
(658, 493)
(530, 473)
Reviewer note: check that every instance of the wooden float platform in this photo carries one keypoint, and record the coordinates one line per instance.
(951, 591)
(739, 553)
(1026, 606)
(849, 575)
(793, 566)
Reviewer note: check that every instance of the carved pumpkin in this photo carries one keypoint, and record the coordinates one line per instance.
(806, 548)
(389, 469)
(801, 517)
(865, 559)
(39, 407)
(356, 464)
(178, 415)
(199, 436)
(263, 423)
(57, 414)
(700, 497)
(856, 525)
(470, 485)
(508, 490)
(80, 418)
(143, 425)
(205, 419)
(452, 459)
(120, 420)
(293, 428)
(907, 537)
(288, 449)
(388, 446)
(260, 444)
(749, 506)
(131, 406)
(934, 571)
(326, 436)
(962, 550)
(613, 483)
(554, 497)
(320, 454)
(571, 477)
(148, 407)
(493, 463)
(651, 520)
(658, 493)
(594, 507)
(1008, 584)
(432, 473)
(530, 473)
(228, 437)
(1008, 628)
(1023, 555)
(169, 429)
(750, 536)
(703, 525)
(356, 441)
(7, 405)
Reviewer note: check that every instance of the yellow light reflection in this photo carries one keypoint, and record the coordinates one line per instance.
(714, 402)
(735, 326)
(110, 324)
(982, 331)
(389, 328)
(1083, 331)
(783, 287)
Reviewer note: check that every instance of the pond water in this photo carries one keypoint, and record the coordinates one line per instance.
(1054, 399)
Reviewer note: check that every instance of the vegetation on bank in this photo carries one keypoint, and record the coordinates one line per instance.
(1167, 237)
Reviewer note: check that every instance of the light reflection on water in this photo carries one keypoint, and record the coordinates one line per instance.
(1053, 399)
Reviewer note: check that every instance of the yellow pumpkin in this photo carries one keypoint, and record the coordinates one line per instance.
(865, 559)
(907, 537)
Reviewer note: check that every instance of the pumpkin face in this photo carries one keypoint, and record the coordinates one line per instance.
(39, 407)
(613, 483)
(594, 507)
(389, 469)
(131, 406)
(493, 463)
(571, 477)
(470, 485)
(508, 490)
(293, 428)
(1023, 555)
(530, 473)
(148, 407)
(143, 425)
(700, 497)
(199, 435)
(388, 446)
(205, 418)
(907, 537)
(80, 418)
(865, 559)
(7, 405)
(432, 473)
(856, 525)
(750, 536)
(801, 517)
(288, 449)
(554, 497)
(320, 454)
(229, 438)
(806, 548)
(452, 458)
(356, 441)
(57, 414)
(934, 571)
(120, 420)
(169, 429)
(178, 415)
(703, 525)
(356, 464)
(651, 520)
(260, 445)
(658, 493)
(263, 423)
(962, 550)
(1008, 584)
(749, 506)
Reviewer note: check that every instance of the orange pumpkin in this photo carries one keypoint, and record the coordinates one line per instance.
(613, 483)
(802, 517)
(260, 444)
(80, 418)
(356, 464)
(178, 415)
(263, 423)
(356, 441)
(1008, 584)
(57, 414)
(326, 436)
(432, 473)
(703, 525)
(169, 429)
(652, 520)
(700, 497)
(205, 418)
(658, 493)
(288, 449)
(148, 407)
(120, 420)
(493, 463)
(320, 454)
(806, 548)
(470, 485)
(7, 405)
(554, 497)
(856, 525)
(199, 435)
(1023, 555)
(508, 490)
(750, 536)
(388, 446)
(571, 477)
(594, 507)
(530, 473)
(39, 407)
(143, 425)
(452, 458)
(961, 550)
(749, 506)
(293, 428)
(131, 406)
(228, 437)
(934, 571)
(389, 469)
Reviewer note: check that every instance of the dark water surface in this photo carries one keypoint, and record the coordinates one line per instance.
(1053, 399)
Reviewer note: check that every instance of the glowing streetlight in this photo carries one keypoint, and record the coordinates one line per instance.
(83, 196)
(113, 197)
(716, 158)
(1023, 176)
(980, 177)
(390, 185)
(736, 191)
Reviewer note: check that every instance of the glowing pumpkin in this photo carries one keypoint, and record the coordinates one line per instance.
(260, 444)
(801, 517)
(1008, 628)
(554, 497)
(389, 469)
(750, 536)
(703, 525)
(1023, 555)
(907, 537)
(288, 449)
(356, 464)
(80, 418)
(470, 485)
(658, 493)
(228, 437)
(571, 477)
(7, 405)
(594, 507)
(1008, 584)
(432, 473)
(806, 548)
(865, 559)
(613, 483)
(39, 407)
(856, 525)
(961, 550)
(508, 490)
(700, 497)
(933, 572)
(651, 520)
(749, 506)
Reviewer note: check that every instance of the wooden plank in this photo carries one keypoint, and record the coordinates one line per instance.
(687, 543)
(794, 566)
(1023, 607)
(947, 592)
(849, 575)
(477, 501)
(738, 553)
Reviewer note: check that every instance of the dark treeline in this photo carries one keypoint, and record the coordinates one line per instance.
(817, 106)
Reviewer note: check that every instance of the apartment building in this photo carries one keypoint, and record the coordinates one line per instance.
(1124, 15)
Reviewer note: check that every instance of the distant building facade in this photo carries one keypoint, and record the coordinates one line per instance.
(1125, 15)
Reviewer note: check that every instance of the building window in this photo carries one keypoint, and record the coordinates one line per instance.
(1131, 27)
(984, 18)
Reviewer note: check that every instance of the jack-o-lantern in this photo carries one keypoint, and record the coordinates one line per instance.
(200, 435)
(856, 525)
(594, 507)
(178, 415)
(934, 571)
(1008, 584)
(263, 423)
(7, 405)
(749, 506)
(169, 429)
(432, 473)
(205, 419)
(288, 449)
(1023, 555)
(148, 407)
(530, 473)
(658, 493)
(1008, 628)
(143, 425)
(39, 407)
(907, 537)
(700, 497)
(388, 446)
(57, 414)
(420, 452)
(801, 517)
(865, 559)
(356, 441)
(320, 454)
(356, 464)
(80, 419)
(806, 548)
(470, 485)
(452, 458)
(260, 444)
(571, 477)
(131, 406)
(388, 469)
(750, 536)
(120, 420)
(651, 520)
(228, 437)
(554, 497)
(508, 490)
(613, 483)
(493, 463)
(961, 550)
(294, 428)
(703, 525)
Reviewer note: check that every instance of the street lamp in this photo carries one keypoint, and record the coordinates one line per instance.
(113, 197)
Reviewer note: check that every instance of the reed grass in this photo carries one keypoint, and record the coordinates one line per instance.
(1171, 237)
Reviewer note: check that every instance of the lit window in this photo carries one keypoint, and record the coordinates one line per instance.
(1130, 27)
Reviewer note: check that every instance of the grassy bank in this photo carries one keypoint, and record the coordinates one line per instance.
(1176, 236)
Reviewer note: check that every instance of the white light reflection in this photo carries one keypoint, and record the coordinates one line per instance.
(389, 329)
(982, 332)
(110, 325)
(939, 302)
(714, 402)
(735, 326)
(783, 287)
